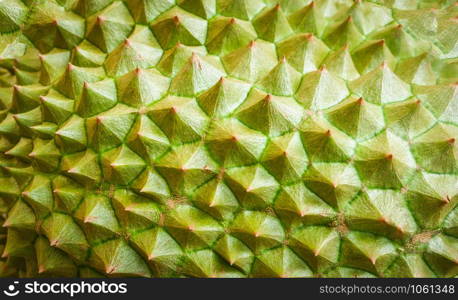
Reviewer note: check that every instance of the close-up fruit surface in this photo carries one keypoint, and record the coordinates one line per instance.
(228, 138)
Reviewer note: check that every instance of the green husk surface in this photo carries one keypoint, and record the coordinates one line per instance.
(228, 138)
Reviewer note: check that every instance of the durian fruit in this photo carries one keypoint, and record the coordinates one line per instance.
(228, 138)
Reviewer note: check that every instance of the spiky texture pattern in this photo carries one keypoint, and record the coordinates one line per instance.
(229, 138)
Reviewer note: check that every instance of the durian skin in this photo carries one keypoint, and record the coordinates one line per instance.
(228, 138)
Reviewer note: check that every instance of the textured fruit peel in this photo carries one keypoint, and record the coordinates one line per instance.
(228, 138)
